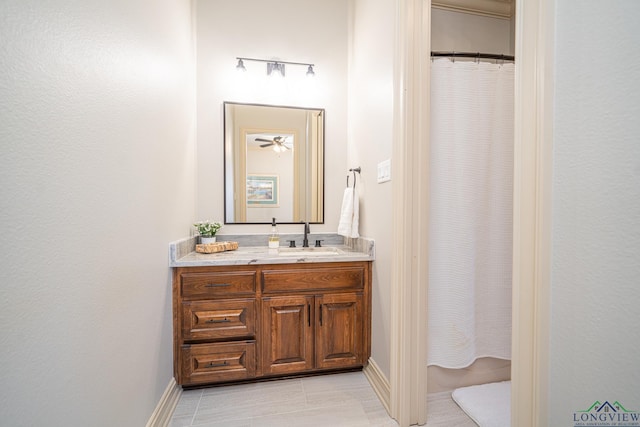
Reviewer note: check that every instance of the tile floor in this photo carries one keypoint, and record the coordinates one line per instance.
(322, 401)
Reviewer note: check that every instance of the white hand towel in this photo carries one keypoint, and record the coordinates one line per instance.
(349, 214)
(355, 219)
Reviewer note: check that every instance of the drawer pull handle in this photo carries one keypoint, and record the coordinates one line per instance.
(225, 320)
(217, 285)
(320, 314)
(216, 365)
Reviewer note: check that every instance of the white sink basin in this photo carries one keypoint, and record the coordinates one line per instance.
(307, 252)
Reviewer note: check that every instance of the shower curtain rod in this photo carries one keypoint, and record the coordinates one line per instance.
(477, 55)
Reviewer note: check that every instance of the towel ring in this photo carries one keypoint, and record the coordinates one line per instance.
(354, 170)
(354, 180)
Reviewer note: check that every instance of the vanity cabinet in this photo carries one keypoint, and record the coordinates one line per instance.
(320, 324)
(234, 323)
(215, 320)
(312, 332)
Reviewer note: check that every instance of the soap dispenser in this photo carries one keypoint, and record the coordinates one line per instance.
(274, 237)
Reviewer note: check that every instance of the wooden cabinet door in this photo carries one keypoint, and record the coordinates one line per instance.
(287, 334)
(339, 332)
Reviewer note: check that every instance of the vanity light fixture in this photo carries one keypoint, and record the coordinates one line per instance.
(240, 66)
(275, 67)
(310, 72)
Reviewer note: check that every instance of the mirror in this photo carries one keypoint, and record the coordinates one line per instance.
(274, 164)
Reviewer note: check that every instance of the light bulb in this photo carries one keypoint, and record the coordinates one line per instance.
(310, 72)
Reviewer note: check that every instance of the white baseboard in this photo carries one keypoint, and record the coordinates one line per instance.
(163, 412)
(379, 382)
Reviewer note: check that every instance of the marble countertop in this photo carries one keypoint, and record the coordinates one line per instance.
(338, 249)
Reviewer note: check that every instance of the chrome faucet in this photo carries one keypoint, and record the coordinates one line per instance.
(305, 240)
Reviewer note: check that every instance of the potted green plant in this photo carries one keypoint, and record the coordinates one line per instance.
(207, 230)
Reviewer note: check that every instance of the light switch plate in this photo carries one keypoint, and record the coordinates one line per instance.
(384, 171)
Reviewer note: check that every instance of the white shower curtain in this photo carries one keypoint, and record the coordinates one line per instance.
(470, 225)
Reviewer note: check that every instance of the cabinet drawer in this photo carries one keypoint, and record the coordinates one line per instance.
(206, 363)
(313, 279)
(218, 319)
(218, 284)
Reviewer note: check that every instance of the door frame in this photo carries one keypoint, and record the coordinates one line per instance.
(410, 201)
(533, 159)
(531, 222)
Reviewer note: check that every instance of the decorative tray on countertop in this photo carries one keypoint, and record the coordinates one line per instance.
(210, 248)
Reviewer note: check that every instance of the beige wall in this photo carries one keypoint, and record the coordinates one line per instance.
(290, 30)
(483, 370)
(370, 142)
(465, 32)
(97, 107)
(594, 343)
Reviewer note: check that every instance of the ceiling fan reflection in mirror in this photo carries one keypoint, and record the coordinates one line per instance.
(278, 143)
